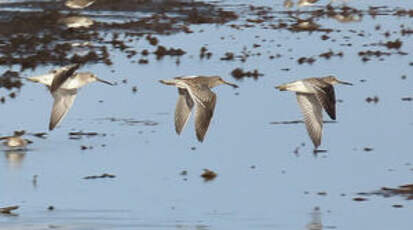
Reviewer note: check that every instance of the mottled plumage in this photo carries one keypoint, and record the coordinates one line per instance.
(195, 90)
(313, 94)
(63, 84)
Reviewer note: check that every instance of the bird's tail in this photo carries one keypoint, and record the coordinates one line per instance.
(168, 82)
(281, 87)
(32, 79)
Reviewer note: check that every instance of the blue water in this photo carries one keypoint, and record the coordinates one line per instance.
(261, 182)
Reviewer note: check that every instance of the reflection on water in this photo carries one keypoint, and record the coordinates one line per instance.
(15, 148)
(315, 223)
(15, 158)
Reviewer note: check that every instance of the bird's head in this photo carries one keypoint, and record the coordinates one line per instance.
(90, 77)
(331, 79)
(217, 80)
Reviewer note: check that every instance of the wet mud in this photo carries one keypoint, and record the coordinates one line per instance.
(30, 39)
(209, 175)
(8, 210)
(405, 191)
(104, 175)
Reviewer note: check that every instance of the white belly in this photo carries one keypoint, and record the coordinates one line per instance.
(299, 86)
(73, 83)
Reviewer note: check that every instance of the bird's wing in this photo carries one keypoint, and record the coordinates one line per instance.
(63, 100)
(183, 109)
(199, 93)
(205, 101)
(5, 137)
(62, 75)
(205, 105)
(313, 117)
(326, 96)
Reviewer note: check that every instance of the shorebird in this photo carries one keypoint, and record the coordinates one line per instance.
(14, 141)
(343, 18)
(313, 94)
(79, 4)
(16, 148)
(302, 3)
(195, 90)
(303, 24)
(76, 22)
(64, 84)
(288, 3)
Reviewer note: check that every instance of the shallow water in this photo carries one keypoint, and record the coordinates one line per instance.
(264, 181)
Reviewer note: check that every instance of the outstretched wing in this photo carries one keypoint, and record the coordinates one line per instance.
(326, 96)
(313, 117)
(205, 101)
(183, 109)
(63, 100)
(62, 75)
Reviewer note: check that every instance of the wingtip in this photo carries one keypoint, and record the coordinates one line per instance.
(51, 127)
(317, 144)
(178, 131)
(200, 138)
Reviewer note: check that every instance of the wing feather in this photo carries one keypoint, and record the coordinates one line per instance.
(205, 101)
(200, 94)
(183, 109)
(327, 98)
(62, 75)
(313, 117)
(63, 100)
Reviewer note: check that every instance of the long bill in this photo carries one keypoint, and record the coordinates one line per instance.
(344, 83)
(228, 83)
(103, 81)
